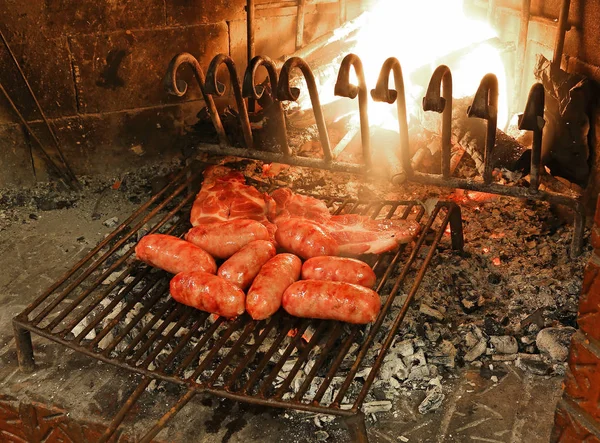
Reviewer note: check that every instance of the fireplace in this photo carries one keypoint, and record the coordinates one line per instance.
(444, 114)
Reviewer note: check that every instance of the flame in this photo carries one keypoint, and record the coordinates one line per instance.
(419, 34)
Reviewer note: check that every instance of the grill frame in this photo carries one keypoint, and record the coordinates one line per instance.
(53, 308)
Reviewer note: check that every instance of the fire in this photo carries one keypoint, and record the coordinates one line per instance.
(420, 35)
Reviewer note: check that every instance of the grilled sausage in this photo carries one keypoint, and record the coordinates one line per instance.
(264, 296)
(331, 300)
(241, 268)
(223, 239)
(343, 269)
(173, 254)
(208, 292)
(305, 238)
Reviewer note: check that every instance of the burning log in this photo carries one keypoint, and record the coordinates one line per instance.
(469, 134)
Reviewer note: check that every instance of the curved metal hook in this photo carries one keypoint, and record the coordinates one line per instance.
(214, 87)
(533, 120)
(382, 93)
(344, 88)
(249, 89)
(441, 101)
(285, 92)
(485, 106)
(179, 88)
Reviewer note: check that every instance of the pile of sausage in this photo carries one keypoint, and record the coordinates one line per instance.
(243, 228)
(253, 278)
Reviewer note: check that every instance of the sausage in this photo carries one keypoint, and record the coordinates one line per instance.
(208, 292)
(348, 270)
(305, 238)
(331, 300)
(223, 239)
(241, 268)
(264, 296)
(173, 254)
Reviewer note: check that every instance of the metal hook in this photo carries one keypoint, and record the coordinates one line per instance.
(285, 92)
(178, 88)
(439, 99)
(400, 171)
(249, 89)
(214, 87)
(485, 106)
(533, 120)
(344, 88)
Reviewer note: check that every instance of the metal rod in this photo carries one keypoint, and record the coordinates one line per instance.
(24, 348)
(43, 115)
(285, 92)
(357, 427)
(559, 42)
(384, 310)
(214, 87)
(250, 354)
(300, 24)
(162, 422)
(198, 347)
(250, 12)
(533, 120)
(118, 419)
(398, 320)
(344, 88)
(102, 244)
(179, 88)
(434, 101)
(250, 90)
(402, 171)
(62, 174)
(485, 106)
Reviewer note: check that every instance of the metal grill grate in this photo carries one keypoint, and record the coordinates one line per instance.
(116, 309)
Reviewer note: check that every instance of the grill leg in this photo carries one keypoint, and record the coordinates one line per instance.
(24, 349)
(456, 228)
(358, 428)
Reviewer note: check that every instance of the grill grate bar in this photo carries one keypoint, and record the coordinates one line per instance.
(293, 345)
(110, 326)
(107, 254)
(335, 365)
(105, 293)
(337, 331)
(386, 307)
(111, 269)
(267, 357)
(38, 301)
(215, 349)
(312, 344)
(234, 350)
(250, 355)
(198, 347)
(98, 318)
(165, 340)
(147, 344)
(394, 329)
(168, 304)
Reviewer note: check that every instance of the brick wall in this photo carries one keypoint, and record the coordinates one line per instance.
(96, 67)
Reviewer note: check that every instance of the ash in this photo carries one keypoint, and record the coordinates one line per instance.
(511, 296)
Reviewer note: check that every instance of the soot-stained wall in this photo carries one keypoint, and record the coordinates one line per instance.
(96, 67)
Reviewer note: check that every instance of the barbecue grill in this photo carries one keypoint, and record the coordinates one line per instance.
(117, 310)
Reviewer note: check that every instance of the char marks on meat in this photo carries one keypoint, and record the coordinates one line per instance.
(285, 203)
(226, 196)
(357, 234)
